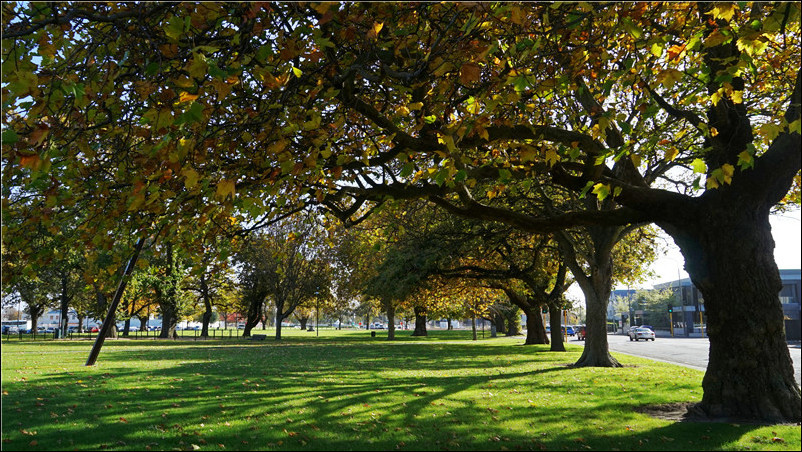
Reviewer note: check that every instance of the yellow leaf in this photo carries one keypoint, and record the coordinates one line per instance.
(190, 177)
(711, 183)
(669, 77)
(374, 31)
(713, 131)
(724, 11)
(715, 97)
(717, 38)
(224, 189)
(415, 106)
(552, 157)
(737, 97)
(727, 172)
(528, 154)
(671, 154)
(197, 67)
(769, 131)
(186, 97)
(635, 159)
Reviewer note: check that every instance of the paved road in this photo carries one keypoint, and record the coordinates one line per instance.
(690, 352)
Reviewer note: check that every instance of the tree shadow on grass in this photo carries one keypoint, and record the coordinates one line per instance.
(346, 396)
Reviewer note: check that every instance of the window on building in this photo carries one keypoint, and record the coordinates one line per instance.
(788, 294)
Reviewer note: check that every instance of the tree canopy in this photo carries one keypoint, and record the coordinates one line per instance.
(221, 115)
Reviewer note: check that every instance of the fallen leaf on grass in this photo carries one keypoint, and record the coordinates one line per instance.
(777, 439)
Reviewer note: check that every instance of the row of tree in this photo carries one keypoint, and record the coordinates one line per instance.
(576, 123)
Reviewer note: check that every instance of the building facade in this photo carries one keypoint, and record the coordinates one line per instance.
(689, 316)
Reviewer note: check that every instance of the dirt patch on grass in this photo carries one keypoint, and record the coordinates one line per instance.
(687, 412)
(677, 412)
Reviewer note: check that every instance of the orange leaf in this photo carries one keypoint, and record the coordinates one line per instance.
(29, 161)
(675, 51)
(186, 97)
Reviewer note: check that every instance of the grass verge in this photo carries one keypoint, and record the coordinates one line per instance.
(347, 391)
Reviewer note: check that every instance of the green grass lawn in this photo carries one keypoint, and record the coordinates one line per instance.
(346, 391)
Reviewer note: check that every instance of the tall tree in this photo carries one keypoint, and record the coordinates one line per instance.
(687, 115)
(284, 262)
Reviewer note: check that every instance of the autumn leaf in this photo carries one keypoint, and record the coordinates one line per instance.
(187, 97)
(373, 33)
(675, 51)
(30, 161)
(669, 77)
(224, 189)
(552, 157)
(469, 72)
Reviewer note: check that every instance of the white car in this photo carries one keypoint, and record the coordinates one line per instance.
(636, 334)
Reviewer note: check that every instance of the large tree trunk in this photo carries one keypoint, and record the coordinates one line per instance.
(279, 319)
(473, 326)
(420, 321)
(207, 304)
(303, 321)
(729, 257)
(596, 287)
(555, 323)
(535, 331)
(169, 320)
(65, 306)
(254, 312)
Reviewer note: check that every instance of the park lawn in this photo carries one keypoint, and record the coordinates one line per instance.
(347, 391)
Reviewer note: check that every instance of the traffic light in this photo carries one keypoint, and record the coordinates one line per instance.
(670, 307)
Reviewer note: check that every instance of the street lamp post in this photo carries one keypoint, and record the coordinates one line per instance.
(317, 315)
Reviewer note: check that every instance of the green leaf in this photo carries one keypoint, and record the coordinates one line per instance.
(407, 169)
(430, 119)
(657, 49)
(699, 166)
(9, 137)
(601, 191)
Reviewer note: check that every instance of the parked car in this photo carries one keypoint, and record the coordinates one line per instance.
(581, 333)
(94, 329)
(636, 334)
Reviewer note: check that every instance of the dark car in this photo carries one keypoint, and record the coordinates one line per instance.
(581, 333)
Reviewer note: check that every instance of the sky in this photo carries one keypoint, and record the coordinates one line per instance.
(786, 229)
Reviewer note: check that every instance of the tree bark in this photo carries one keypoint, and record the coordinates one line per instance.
(729, 257)
(65, 305)
(207, 304)
(420, 321)
(596, 288)
(279, 319)
(303, 321)
(473, 326)
(555, 323)
(535, 331)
